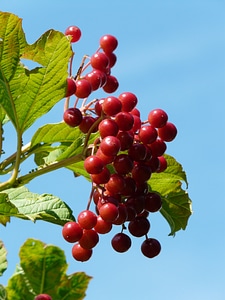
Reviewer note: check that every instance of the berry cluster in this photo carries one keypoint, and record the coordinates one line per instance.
(120, 161)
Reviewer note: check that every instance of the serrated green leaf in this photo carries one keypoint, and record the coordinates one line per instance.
(74, 286)
(32, 206)
(26, 95)
(3, 294)
(176, 207)
(44, 272)
(12, 43)
(3, 259)
(4, 220)
(7, 208)
(55, 133)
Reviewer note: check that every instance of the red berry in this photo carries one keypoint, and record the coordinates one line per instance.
(168, 132)
(109, 212)
(43, 297)
(162, 164)
(122, 216)
(71, 87)
(147, 134)
(110, 145)
(126, 139)
(141, 173)
(115, 185)
(137, 152)
(89, 239)
(124, 120)
(139, 226)
(83, 88)
(81, 254)
(111, 106)
(102, 226)
(105, 158)
(95, 79)
(111, 84)
(74, 32)
(72, 232)
(158, 147)
(87, 219)
(86, 124)
(121, 242)
(102, 177)
(153, 202)
(108, 127)
(128, 100)
(93, 164)
(112, 59)
(123, 164)
(73, 117)
(99, 61)
(108, 43)
(157, 118)
(150, 247)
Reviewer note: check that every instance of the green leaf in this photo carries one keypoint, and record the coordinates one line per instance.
(12, 43)
(26, 95)
(74, 286)
(44, 272)
(3, 260)
(3, 295)
(59, 133)
(6, 208)
(176, 207)
(32, 206)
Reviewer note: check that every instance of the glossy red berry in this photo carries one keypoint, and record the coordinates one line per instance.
(139, 226)
(128, 100)
(102, 226)
(93, 164)
(83, 88)
(153, 202)
(81, 254)
(109, 212)
(157, 118)
(89, 239)
(99, 61)
(108, 43)
(72, 232)
(87, 219)
(110, 145)
(150, 247)
(72, 116)
(168, 132)
(108, 127)
(74, 32)
(121, 242)
(71, 87)
(111, 106)
(111, 84)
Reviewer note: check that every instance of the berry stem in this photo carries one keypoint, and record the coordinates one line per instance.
(16, 164)
(71, 64)
(49, 168)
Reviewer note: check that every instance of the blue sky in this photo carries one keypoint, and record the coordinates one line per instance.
(171, 54)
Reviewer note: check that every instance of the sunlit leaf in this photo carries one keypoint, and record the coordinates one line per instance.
(3, 259)
(44, 272)
(32, 206)
(3, 294)
(26, 95)
(176, 206)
